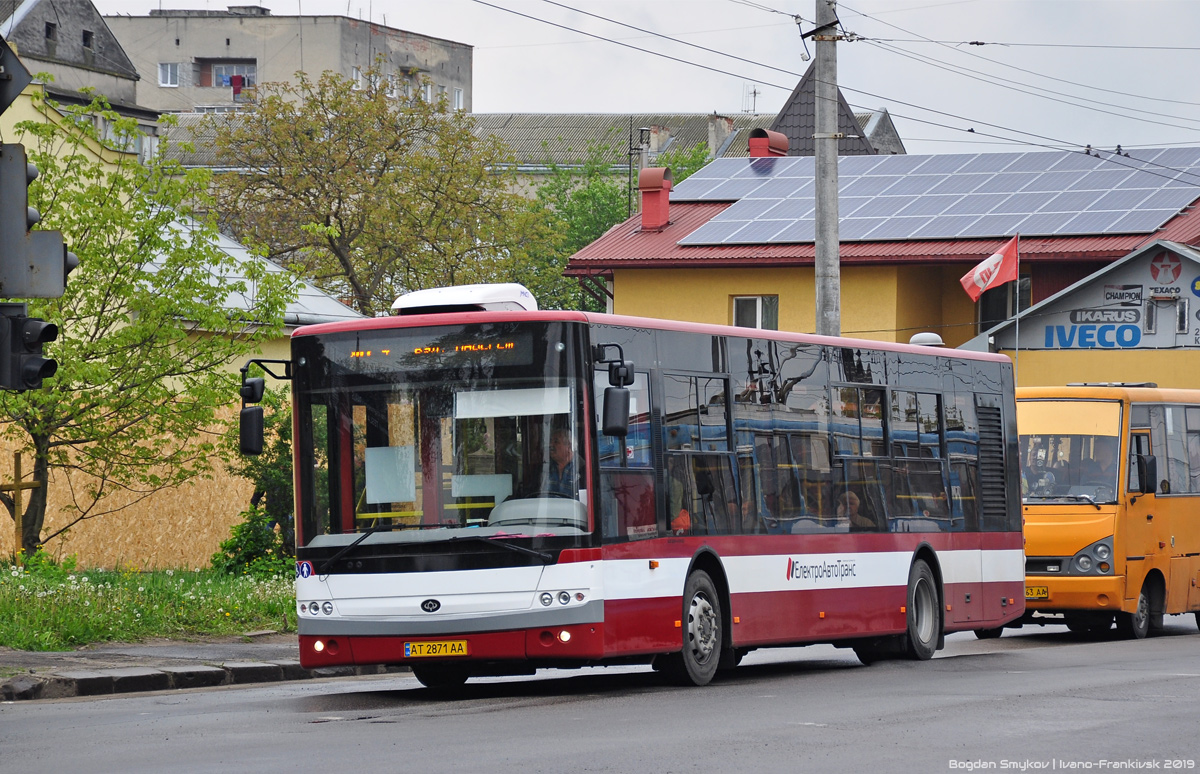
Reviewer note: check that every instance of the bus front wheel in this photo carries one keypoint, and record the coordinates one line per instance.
(697, 663)
(989, 634)
(924, 612)
(1136, 625)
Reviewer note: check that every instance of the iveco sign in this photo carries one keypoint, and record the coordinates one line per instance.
(1092, 336)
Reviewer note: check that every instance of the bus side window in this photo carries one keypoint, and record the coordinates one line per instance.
(1193, 447)
(1139, 444)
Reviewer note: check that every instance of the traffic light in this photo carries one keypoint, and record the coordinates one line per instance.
(22, 365)
(33, 264)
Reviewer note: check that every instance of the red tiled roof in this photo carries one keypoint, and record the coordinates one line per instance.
(626, 246)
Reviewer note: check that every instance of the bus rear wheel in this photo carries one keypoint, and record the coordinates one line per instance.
(924, 612)
(1136, 625)
(441, 676)
(697, 663)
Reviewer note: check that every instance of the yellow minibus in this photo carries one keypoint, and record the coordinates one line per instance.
(1110, 489)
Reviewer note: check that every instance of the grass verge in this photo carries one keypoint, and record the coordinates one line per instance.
(55, 608)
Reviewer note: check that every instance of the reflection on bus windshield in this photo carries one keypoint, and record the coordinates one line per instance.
(1064, 466)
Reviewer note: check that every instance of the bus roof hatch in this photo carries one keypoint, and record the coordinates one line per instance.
(502, 297)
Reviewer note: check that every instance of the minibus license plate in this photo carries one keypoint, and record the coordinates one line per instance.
(437, 648)
(1037, 592)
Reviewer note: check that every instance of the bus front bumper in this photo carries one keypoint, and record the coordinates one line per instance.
(1064, 594)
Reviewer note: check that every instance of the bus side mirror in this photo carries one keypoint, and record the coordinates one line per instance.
(1147, 468)
(616, 411)
(250, 431)
(252, 389)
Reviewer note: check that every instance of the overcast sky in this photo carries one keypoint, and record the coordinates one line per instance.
(1061, 73)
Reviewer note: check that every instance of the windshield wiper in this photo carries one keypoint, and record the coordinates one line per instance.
(323, 569)
(1047, 498)
(491, 541)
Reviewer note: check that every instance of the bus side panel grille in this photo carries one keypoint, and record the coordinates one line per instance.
(991, 468)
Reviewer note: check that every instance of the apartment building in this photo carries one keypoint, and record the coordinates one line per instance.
(198, 61)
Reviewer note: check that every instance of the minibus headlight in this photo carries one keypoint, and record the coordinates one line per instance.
(1084, 563)
(1103, 552)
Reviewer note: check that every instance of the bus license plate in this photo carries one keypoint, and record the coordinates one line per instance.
(1037, 592)
(439, 648)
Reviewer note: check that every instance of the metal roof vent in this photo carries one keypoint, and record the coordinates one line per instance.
(503, 297)
(926, 339)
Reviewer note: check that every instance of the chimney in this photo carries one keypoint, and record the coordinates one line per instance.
(659, 137)
(655, 185)
(764, 142)
(719, 129)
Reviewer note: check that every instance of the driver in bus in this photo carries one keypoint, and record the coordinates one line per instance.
(560, 479)
(1102, 467)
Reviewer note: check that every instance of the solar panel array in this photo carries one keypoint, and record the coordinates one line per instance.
(960, 196)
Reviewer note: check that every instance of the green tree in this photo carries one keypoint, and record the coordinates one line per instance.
(583, 200)
(370, 196)
(148, 325)
(683, 162)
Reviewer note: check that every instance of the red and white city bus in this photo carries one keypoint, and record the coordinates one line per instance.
(483, 488)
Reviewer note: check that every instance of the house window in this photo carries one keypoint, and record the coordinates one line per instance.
(88, 38)
(458, 99)
(356, 77)
(756, 312)
(427, 91)
(51, 31)
(168, 74)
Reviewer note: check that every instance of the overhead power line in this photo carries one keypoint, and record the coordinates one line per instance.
(1040, 141)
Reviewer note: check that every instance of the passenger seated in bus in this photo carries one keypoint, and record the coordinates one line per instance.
(848, 509)
(561, 477)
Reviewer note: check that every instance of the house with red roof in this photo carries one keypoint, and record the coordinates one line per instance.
(734, 244)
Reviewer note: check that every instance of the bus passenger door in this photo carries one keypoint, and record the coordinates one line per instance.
(1139, 533)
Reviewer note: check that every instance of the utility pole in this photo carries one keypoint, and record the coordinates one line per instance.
(825, 142)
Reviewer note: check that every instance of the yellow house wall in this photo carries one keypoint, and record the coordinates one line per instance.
(1174, 368)
(706, 295)
(884, 303)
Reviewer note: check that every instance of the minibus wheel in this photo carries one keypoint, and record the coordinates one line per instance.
(1136, 625)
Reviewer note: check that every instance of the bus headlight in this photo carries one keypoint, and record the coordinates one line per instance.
(1084, 563)
(564, 598)
(1103, 551)
(547, 598)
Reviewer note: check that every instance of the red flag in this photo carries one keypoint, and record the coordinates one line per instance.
(994, 271)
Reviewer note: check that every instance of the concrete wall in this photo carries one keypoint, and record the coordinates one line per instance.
(280, 46)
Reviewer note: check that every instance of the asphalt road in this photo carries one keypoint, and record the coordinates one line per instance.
(1038, 698)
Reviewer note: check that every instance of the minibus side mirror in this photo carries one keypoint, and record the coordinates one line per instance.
(1147, 468)
(250, 431)
(616, 411)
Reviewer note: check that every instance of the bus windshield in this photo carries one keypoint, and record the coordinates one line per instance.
(1069, 450)
(434, 433)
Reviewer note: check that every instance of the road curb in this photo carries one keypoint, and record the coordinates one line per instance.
(121, 680)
